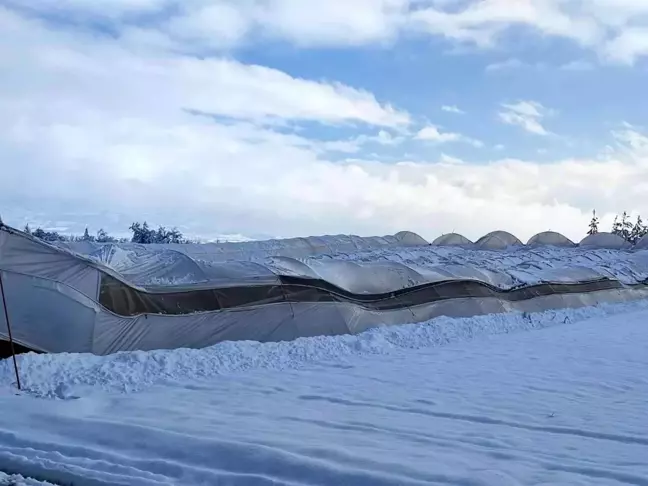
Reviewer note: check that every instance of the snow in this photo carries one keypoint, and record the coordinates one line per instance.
(18, 480)
(514, 266)
(556, 398)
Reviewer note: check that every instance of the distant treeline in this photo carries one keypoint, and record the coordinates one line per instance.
(141, 233)
(622, 226)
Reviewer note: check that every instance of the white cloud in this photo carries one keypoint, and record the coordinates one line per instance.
(222, 23)
(632, 140)
(334, 22)
(481, 22)
(82, 9)
(433, 134)
(449, 159)
(82, 67)
(525, 114)
(214, 24)
(628, 46)
(615, 28)
(354, 145)
(453, 109)
(104, 134)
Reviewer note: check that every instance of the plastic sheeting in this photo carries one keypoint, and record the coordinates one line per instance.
(254, 250)
(642, 244)
(605, 240)
(452, 239)
(161, 270)
(497, 240)
(160, 267)
(28, 256)
(47, 315)
(289, 321)
(550, 238)
(157, 297)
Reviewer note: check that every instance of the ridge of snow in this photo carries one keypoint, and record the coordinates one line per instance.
(18, 480)
(68, 375)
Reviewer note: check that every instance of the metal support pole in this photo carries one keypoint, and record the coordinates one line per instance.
(11, 342)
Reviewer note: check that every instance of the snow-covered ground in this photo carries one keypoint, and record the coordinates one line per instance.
(557, 398)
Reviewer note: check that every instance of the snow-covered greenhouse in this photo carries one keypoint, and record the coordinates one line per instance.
(104, 298)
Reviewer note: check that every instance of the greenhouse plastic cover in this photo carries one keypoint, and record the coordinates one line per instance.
(550, 238)
(642, 244)
(605, 240)
(252, 250)
(281, 289)
(366, 271)
(497, 240)
(452, 239)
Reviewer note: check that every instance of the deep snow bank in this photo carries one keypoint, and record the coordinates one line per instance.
(67, 375)
(561, 406)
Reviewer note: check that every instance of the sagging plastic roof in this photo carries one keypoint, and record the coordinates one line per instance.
(254, 250)
(126, 297)
(400, 263)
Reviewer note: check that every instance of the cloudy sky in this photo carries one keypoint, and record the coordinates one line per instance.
(295, 117)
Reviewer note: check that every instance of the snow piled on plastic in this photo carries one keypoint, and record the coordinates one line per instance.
(509, 268)
(515, 266)
(18, 480)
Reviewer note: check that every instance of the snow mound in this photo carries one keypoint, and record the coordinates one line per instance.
(66, 376)
(18, 480)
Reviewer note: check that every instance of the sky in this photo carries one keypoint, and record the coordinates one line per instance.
(294, 117)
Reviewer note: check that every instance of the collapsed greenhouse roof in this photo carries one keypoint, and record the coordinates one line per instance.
(102, 298)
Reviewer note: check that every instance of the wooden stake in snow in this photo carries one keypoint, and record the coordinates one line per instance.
(11, 343)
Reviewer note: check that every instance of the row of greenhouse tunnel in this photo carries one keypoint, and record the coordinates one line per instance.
(500, 240)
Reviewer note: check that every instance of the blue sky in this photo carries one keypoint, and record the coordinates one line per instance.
(288, 117)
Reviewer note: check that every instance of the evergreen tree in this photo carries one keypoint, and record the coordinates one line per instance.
(617, 228)
(144, 235)
(593, 226)
(639, 230)
(626, 227)
(86, 236)
(27, 229)
(47, 235)
(168, 236)
(104, 237)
